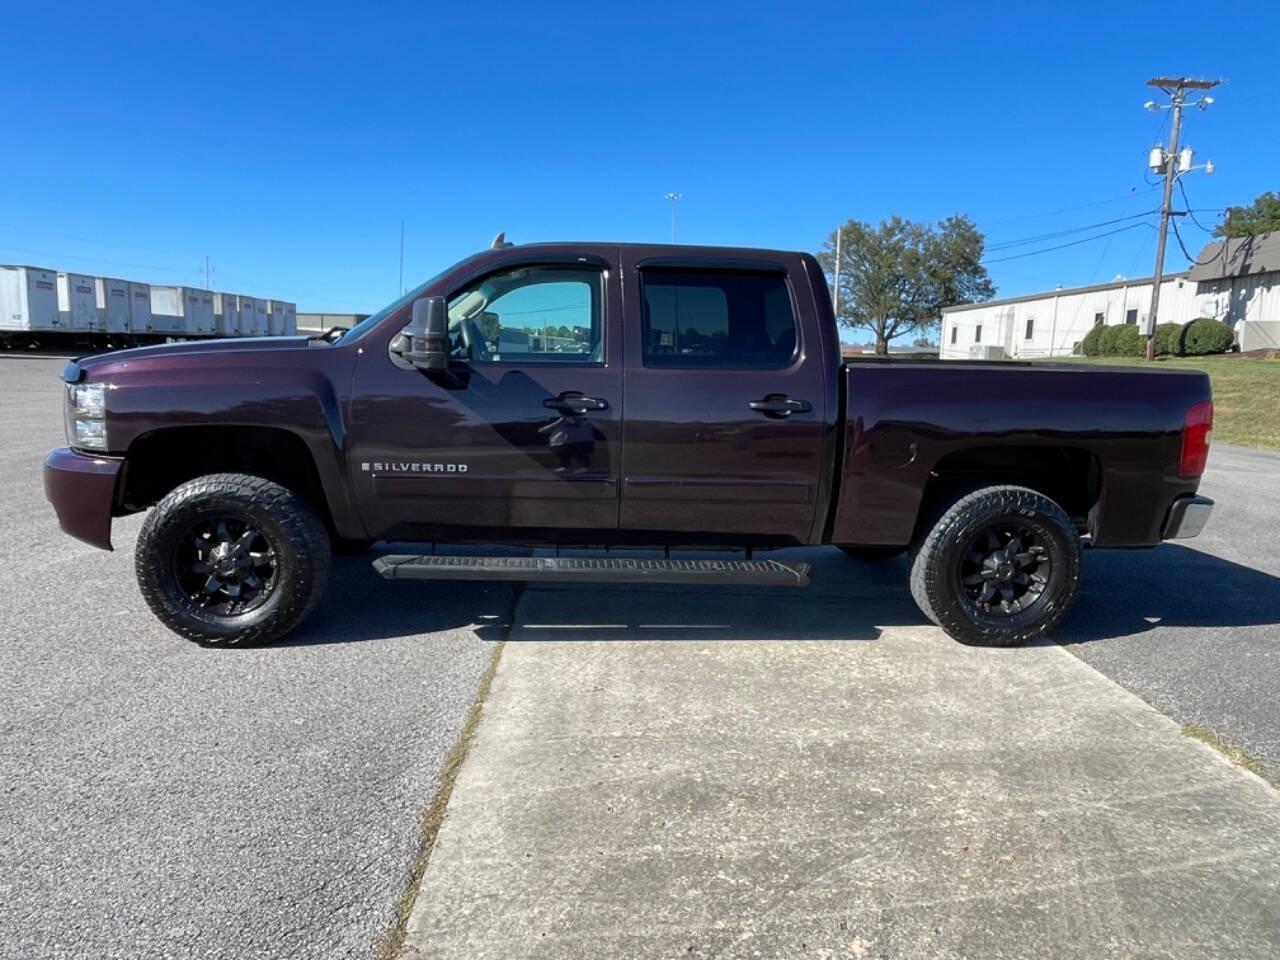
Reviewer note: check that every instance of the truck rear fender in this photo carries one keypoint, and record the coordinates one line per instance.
(1070, 476)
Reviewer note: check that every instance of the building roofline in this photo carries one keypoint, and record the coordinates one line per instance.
(1113, 285)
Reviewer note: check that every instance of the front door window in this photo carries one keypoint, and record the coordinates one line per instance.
(537, 314)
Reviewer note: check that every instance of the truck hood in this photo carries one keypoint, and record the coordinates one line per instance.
(249, 344)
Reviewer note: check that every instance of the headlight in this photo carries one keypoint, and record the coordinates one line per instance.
(86, 416)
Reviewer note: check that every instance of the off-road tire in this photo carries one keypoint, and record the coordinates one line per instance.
(935, 582)
(873, 554)
(299, 541)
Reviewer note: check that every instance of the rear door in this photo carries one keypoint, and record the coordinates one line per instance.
(725, 399)
(522, 433)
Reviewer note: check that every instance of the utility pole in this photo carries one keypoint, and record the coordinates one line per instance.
(208, 273)
(1169, 166)
(673, 197)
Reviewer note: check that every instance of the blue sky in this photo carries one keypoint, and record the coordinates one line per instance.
(288, 143)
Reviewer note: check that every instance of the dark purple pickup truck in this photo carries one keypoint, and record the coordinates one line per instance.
(617, 395)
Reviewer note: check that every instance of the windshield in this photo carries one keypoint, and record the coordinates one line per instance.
(371, 321)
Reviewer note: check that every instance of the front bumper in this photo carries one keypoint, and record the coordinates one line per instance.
(82, 489)
(1187, 517)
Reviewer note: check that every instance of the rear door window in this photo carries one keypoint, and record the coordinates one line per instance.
(717, 318)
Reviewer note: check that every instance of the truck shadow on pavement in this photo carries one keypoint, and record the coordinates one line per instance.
(1129, 592)
(1123, 593)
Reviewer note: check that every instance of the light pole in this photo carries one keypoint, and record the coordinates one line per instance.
(673, 197)
(1171, 165)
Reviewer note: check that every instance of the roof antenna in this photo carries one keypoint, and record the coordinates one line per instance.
(500, 242)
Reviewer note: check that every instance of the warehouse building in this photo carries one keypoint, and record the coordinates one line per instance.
(1053, 324)
(1239, 285)
(1238, 281)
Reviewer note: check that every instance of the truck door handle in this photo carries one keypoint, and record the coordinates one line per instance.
(575, 402)
(780, 406)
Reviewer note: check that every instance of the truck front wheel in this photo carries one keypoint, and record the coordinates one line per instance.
(230, 559)
(1000, 567)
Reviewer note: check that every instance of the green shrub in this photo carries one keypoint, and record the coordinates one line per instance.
(1206, 336)
(1089, 345)
(1122, 340)
(1168, 339)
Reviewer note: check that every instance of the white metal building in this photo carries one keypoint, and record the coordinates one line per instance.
(1241, 286)
(1053, 324)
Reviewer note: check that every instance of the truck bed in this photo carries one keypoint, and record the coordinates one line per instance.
(915, 429)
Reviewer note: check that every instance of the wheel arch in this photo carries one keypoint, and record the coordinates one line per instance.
(1069, 475)
(160, 460)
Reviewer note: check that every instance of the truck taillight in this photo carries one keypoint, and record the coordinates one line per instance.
(1196, 430)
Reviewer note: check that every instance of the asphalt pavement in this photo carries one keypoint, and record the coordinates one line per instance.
(158, 799)
(1193, 626)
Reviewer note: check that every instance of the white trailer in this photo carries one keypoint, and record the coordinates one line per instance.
(245, 327)
(184, 311)
(28, 299)
(284, 318)
(261, 323)
(174, 310)
(112, 297)
(226, 314)
(139, 308)
(77, 302)
(205, 323)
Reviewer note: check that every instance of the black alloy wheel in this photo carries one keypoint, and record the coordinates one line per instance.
(1004, 570)
(225, 566)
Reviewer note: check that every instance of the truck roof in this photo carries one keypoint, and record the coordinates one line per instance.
(659, 249)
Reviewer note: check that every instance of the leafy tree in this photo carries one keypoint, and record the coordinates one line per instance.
(897, 277)
(1261, 216)
(923, 341)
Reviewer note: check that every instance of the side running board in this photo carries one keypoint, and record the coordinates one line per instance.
(757, 573)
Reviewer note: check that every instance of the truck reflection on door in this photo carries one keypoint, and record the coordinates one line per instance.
(572, 439)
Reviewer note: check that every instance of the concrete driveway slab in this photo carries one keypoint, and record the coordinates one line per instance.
(645, 786)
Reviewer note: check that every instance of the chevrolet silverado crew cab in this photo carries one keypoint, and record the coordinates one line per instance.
(617, 396)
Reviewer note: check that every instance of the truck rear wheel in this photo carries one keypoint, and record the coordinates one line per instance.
(1000, 567)
(230, 559)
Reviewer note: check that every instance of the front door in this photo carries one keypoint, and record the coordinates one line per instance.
(725, 401)
(522, 433)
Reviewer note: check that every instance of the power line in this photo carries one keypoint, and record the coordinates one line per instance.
(1190, 211)
(1082, 206)
(1193, 261)
(1073, 243)
(109, 263)
(1182, 245)
(1004, 244)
